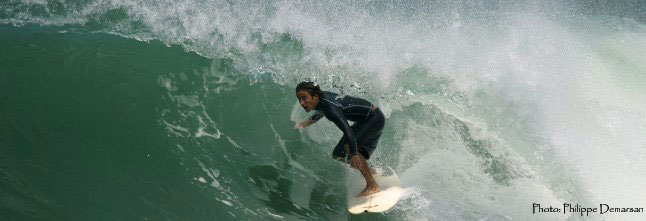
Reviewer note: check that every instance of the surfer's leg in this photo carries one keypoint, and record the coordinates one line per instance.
(369, 132)
(340, 153)
(366, 171)
(367, 152)
(368, 138)
(371, 184)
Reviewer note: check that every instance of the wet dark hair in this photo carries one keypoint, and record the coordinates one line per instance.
(310, 87)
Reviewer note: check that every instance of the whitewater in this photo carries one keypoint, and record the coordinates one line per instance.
(184, 110)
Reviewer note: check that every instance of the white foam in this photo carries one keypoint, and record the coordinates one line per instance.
(546, 90)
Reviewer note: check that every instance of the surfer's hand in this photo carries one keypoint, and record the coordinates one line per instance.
(356, 161)
(304, 124)
(299, 125)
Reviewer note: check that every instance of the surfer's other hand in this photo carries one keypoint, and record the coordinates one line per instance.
(299, 125)
(356, 161)
(303, 124)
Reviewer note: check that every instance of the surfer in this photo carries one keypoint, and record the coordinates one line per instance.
(359, 140)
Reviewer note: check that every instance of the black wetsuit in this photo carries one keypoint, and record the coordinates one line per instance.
(363, 136)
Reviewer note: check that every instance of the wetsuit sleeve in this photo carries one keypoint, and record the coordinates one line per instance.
(335, 115)
(317, 116)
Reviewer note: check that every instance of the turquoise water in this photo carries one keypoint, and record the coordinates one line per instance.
(184, 110)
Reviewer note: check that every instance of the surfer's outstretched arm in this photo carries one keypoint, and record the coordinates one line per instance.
(313, 119)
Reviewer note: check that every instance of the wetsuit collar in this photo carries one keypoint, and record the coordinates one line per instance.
(319, 106)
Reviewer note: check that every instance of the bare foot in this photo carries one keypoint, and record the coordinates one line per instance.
(370, 189)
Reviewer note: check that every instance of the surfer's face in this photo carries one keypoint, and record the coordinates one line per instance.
(307, 101)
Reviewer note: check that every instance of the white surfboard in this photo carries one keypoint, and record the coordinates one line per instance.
(381, 201)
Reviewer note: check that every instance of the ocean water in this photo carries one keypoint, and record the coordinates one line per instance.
(184, 110)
